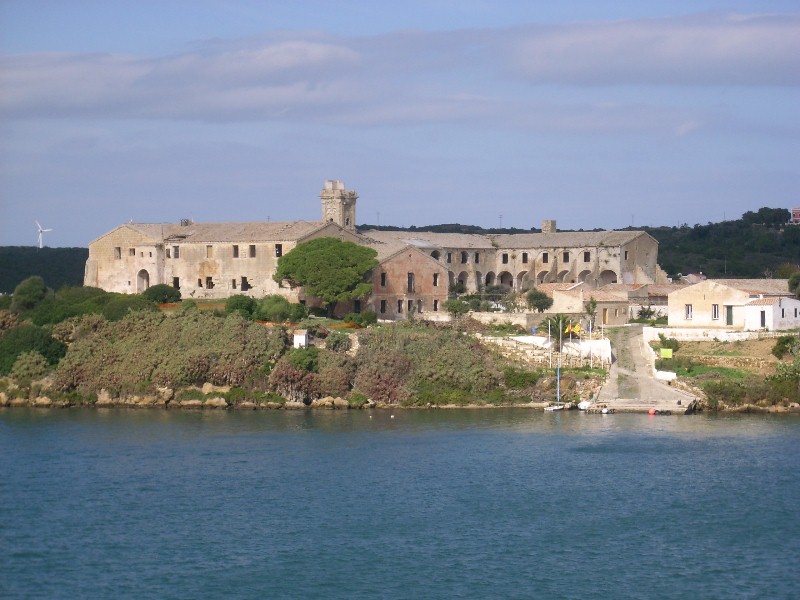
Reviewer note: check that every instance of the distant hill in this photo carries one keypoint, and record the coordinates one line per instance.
(57, 266)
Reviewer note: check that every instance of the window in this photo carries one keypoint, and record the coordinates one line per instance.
(419, 306)
(565, 257)
(383, 306)
(209, 283)
(435, 254)
(435, 280)
(587, 257)
(449, 257)
(435, 306)
(410, 282)
(410, 305)
(463, 258)
(687, 311)
(176, 283)
(176, 252)
(278, 250)
(199, 282)
(524, 258)
(545, 257)
(715, 311)
(235, 251)
(132, 252)
(168, 253)
(399, 306)
(209, 251)
(477, 258)
(117, 252)
(252, 250)
(245, 284)
(233, 284)
(783, 313)
(383, 279)
(141, 254)
(626, 255)
(505, 258)
(151, 254)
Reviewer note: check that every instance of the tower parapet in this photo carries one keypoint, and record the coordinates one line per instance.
(338, 204)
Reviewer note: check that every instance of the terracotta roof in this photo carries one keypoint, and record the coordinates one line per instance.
(240, 232)
(566, 239)
(549, 288)
(773, 287)
(663, 289)
(430, 241)
(767, 301)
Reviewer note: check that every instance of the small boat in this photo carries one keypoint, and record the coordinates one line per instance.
(554, 407)
(584, 404)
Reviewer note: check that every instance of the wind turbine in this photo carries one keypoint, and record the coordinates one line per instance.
(41, 231)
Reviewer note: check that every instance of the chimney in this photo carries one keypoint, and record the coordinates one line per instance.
(549, 226)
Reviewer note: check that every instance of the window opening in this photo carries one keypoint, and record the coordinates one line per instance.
(278, 250)
(715, 311)
(435, 306)
(117, 252)
(463, 258)
(252, 250)
(176, 283)
(176, 252)
(383, 306)
(233, 284)
(505, 258)
(435, 280)
(587, 256)
(383, 279)
(235, 251)
(688, 311)
(545, 257)
(199, 282)
(524, 258)
(399, 306)
(477, 258)
(245, 284)
(449, 257)
(410, 282)
(209, 251)
(209, 283)
(132, 252)
(565, 257)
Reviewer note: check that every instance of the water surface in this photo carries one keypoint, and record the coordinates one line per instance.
(429, 504)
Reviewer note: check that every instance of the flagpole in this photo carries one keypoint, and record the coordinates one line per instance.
(558, 369)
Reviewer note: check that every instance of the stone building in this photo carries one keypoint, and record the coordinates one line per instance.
(415, 271)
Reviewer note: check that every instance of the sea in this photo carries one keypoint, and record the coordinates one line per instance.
(493, 503)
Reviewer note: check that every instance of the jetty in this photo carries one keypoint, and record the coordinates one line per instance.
(632, 385)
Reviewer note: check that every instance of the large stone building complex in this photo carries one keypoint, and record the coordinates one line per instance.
(415, 271)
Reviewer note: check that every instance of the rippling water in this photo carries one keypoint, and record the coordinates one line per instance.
(429, 504)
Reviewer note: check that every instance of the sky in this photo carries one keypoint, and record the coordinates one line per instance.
(596, 113)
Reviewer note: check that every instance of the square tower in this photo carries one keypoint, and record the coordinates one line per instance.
(338, 204)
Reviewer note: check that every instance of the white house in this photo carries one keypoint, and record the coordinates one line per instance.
(735, 304)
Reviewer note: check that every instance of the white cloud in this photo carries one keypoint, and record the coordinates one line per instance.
(485, 76)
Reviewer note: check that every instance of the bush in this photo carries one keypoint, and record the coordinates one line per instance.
(28, 293)
(785, 344)
(361, 319)
(338, 342)
(5, 301)
(670, 343)
(29, 365)
(456, 307)
(516, 379)
(244, 305)
(306, 359)
(273, 308)
(28, 338)
(162, 294)
(538, 300)
(121, 305)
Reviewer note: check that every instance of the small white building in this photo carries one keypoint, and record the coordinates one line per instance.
(735, 304)
(774, 314)
(300, 338)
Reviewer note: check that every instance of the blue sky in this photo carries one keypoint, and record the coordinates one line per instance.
(595, 113)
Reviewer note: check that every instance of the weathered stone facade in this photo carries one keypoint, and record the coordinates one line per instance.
(217, 260)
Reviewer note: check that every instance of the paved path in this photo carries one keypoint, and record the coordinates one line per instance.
(631, 384)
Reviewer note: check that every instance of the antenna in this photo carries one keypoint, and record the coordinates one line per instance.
(41, 231)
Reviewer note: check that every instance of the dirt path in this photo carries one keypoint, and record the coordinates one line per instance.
(631, 381)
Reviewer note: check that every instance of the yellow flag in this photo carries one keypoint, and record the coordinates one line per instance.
(576, 328)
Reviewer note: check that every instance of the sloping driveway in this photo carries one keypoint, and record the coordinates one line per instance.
(631, 381)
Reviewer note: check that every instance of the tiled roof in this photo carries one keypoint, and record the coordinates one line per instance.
(430, 241)
(757, 286)
(566, 239)
(549, 288)
(766, 301)
(599, 295)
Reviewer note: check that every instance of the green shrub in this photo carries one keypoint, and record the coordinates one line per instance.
(456, 307)
(515, 378)
(122, 305)
(28, 338)
(338, 342)
(5, 301)
(162, 294)
(786, 344)
(273, 308)
(362, 319)
(28, 293)
(29, 365)
(306, 359)
(356, 399)
(244, 305)
(671, 343)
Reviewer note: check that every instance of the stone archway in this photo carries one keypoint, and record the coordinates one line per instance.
(489, 278)
(435, 254)
(142, 281)
(562, 276)
(584, 275)
(541, 276)
(506, 279)
(607, 277)
(522, 280)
